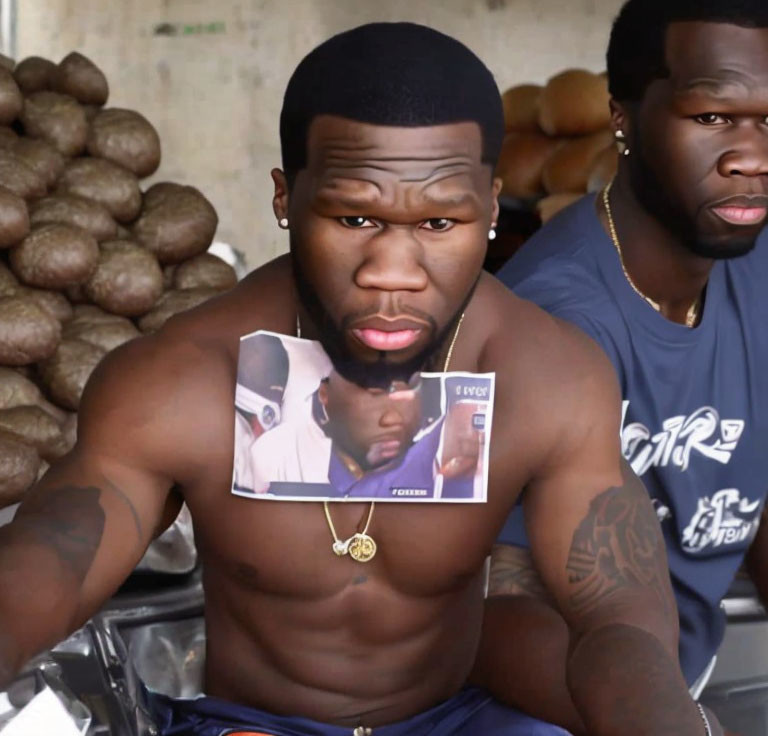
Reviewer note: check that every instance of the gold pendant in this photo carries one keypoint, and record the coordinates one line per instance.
(361, 547)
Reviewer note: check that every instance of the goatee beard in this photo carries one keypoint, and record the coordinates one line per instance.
(381, 372)
(722, 252)
(651, 194)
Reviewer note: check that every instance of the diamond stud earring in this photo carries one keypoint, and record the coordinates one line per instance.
(621, 140)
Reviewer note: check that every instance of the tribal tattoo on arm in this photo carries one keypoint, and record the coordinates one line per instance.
(622, 669)
(513, 573)
(618, 547)
(69, 520)
(66, 522)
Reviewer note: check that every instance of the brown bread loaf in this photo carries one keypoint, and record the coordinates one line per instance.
(521, 108)
(567, 170)
(574, 102)
(521, 163)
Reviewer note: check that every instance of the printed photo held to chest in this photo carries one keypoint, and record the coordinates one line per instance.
(304, 432)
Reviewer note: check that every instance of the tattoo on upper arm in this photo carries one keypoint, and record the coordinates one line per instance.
(513, 573)
(69, 520)
(618, 546)
(134, 514)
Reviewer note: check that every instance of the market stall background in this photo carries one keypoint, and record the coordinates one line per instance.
(211, 76)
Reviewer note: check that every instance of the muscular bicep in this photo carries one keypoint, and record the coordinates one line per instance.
(616, 556)
(88, 523)
(594, 536)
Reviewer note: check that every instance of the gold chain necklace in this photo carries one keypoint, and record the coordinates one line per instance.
(360, 546)
(692, 315)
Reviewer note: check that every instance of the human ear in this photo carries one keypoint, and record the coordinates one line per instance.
(496, 190)
(280, 198)
(621, 123)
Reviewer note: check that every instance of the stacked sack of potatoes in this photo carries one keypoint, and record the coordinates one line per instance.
(559, 144)
(87, 260)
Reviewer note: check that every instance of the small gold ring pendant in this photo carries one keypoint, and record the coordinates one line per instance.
(360, 547)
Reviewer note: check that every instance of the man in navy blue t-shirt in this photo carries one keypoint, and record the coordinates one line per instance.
(661, 269)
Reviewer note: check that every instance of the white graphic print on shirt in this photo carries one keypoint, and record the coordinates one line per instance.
(724, 518)
(702, 431)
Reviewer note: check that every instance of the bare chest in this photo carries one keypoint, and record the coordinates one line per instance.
(285, 548)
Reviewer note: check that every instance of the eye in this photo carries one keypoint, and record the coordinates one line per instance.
(357, 222)
(438, 224)
(712, 118)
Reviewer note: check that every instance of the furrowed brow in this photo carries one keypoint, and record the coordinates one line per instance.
(719, 89)
(335, 198)
(462, 199)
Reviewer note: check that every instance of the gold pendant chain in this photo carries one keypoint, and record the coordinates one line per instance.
(692, 315)
(361, 547)
(449, 355)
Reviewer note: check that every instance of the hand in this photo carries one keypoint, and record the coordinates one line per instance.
(461, 440)
(459, 466)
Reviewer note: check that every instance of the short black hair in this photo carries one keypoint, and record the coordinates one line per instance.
(636, 52)
(398, 74)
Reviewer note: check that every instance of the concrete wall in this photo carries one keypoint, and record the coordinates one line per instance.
(210, 75)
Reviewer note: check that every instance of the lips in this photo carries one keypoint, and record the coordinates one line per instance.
(741, 215)
(383, 334)
(386, 340)
(387, 449)
(743, 210)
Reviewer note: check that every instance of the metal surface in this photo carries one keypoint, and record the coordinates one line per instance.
(744, 607)
(158, 634)
(8, 36)
(124, 649)
(738, 689)
(173, 552)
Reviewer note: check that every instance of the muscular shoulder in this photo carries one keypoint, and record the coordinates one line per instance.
(165, 400)
(519, 334)
(263, 300)
(547, 370)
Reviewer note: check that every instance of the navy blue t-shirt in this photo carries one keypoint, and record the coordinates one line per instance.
(695, 420)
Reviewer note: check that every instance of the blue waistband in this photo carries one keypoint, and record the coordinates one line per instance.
(470, 711)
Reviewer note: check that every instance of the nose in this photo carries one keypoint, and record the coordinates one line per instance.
(393, 262)
(391, 418)
(748, 158)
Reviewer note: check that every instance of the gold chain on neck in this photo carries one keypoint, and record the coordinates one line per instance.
(692, 315)
(360, 546)
(453, 344)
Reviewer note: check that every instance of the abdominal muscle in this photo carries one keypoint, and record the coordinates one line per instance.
(364, 654)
